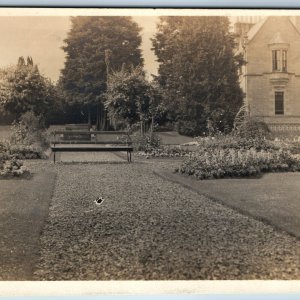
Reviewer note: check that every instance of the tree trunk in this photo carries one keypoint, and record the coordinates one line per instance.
(102, 116)
(151, 127)
(89, 117)
(142, 124)
(97, 118)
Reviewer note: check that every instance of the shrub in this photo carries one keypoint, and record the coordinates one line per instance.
(145, 142)
(189, 128)
(219, 163)
(30, 130)
(26, 152)
(253, 129)
(10, 166)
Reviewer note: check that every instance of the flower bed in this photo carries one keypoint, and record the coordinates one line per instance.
(26, 152)
(231, 162)
(236, 142)
(10, 166)
(166, 151)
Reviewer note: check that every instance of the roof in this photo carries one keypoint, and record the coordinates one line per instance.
(255, 29)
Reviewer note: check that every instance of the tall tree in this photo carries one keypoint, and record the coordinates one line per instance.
(198, 71)
(23, 88)
(95, 46)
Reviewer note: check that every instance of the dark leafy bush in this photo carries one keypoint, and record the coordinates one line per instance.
(189, 128)
(146, 142)
(30, 130)
(253, 129)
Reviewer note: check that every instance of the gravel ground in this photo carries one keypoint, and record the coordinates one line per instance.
(150, 228)
(90, 157)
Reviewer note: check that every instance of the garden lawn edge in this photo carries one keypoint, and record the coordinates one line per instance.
(257, 214)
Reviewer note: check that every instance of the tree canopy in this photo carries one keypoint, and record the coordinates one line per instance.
(130, 98)
(23, 88)
(198, 72)
(94, 47)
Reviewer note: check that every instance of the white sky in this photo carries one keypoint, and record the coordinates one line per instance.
(42, 38)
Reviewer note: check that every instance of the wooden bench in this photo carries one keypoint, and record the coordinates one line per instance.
(78, 127)
(93, 141)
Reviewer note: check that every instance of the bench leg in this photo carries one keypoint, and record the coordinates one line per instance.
(129, 156)
(54, 156)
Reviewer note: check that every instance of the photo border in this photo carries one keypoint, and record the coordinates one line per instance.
(254, 287)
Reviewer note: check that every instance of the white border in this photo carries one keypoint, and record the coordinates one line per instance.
(80, 288)
(144, 12)
(91, 288)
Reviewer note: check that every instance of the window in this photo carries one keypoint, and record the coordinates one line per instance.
(279, 60)
(284, 61)
(279, 103)
(276, 60)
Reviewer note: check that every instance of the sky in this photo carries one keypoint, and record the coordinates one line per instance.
(42, 39)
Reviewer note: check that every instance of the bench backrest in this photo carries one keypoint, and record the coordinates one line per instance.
(91, 137)
(78, 127)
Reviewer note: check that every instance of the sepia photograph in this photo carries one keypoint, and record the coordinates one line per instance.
(149, 145)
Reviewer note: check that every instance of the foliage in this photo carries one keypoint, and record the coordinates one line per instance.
(237, 156)
(10, 166)
(187, 127)
(219, 163)
(235, 142)
(26, 152)
(23, 88)
(165, 151)
(127, 95)
(130, 98)
(198, 72)
(253, 129)
(145, 142)
(29, 130)
(95, 46)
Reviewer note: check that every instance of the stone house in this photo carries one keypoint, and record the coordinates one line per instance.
(271, 76)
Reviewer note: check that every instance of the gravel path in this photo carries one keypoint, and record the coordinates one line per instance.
(150, 228)
(98, 157)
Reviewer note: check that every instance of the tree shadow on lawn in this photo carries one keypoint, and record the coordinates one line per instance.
(24, 206)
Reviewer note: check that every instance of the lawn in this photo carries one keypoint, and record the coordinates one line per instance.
(24, 206)
(273, 197)
(173, 138)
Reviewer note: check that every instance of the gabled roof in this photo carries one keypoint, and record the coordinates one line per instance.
(256, 28)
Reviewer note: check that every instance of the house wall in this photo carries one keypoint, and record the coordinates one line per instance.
(262, 82)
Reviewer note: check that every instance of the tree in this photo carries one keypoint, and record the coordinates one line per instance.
(198, 72)
(95, 46)
(130, 98)
(23, 88)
